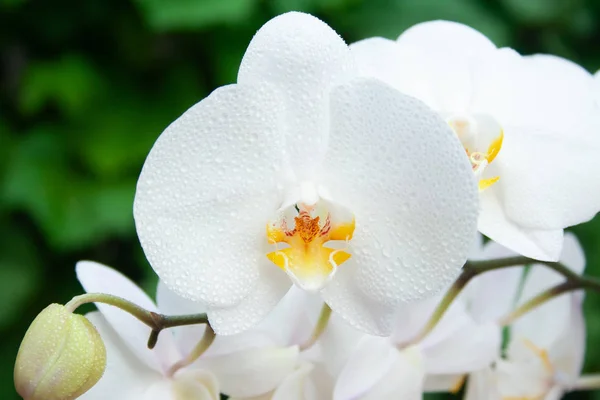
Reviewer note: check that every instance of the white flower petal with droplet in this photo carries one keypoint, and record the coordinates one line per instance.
(303, 59)
(417, 223)
(205, 192)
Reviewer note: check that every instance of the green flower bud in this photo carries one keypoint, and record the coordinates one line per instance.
(61, 357)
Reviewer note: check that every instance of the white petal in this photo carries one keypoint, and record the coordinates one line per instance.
(544, 325)
(524, 375)
(568, 352)
(252, 372)
(383, 59)
(404, 379)
(186, 337)
(125, 377)
(206, 192)
(370, 361)
(97, 278)
(539, 244)
(195, 385)
(412, 317)
(397, 165)
(441, 55)
(413, 191)
(545, 180)
(293, 386)
(345, 297)
(494, 293)
(470, 348)
(555, 93)
(482, 385)
(293, 319)
(337, 343)
(270, 288)
(303, 58)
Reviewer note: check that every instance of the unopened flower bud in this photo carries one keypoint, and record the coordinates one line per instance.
(61, 357)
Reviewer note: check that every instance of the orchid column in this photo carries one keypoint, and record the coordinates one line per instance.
(304, 173)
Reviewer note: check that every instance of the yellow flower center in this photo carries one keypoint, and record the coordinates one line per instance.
(308, 262)
(482, 138)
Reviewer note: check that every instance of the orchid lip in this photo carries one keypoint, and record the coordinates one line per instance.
(309, 233)
(481, 136)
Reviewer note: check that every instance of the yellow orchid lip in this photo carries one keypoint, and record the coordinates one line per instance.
(469, 131)
(307, 259)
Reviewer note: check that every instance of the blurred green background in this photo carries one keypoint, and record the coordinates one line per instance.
(86, 86)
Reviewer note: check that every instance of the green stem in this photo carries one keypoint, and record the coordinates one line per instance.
(538, 300)
(587, 382)
(201, 347)
(156, 322)
(473, 268)
(319, 328)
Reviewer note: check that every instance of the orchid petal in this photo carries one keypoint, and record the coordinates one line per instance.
(542, 245)
(493, 294)
(271, 287)
(195, 385)
(545, 324)
(293, 387)
(206, 191)
(404, 380)
(556, 192)
(468, 349)
(416, 226)
(97, 278)
(303, 58)
(370, 361)
(482, 385)
(568, 352)
(125, 377)
(252, 372)
(441, 54)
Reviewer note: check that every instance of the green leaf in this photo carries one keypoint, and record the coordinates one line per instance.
(71, 210)
(389, 18)
(19, 273)
(537, 11)
(163, 15)
(71, 83)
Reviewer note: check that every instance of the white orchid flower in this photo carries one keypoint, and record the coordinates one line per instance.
(529, 126)
(246, 365)
(343, 184)
(546, 349)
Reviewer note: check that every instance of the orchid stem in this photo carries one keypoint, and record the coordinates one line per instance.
(538, 300)
(473, 268)
(204, 343)
(157, 322)
(587, 382)
(319, 328)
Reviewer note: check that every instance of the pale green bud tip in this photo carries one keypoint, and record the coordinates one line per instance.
(61, 357)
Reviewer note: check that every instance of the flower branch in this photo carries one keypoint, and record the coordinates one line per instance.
(157, 322)
(472, 269)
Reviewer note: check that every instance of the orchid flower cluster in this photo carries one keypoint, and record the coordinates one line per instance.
(315, 230)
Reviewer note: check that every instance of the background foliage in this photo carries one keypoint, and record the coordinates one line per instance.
(86, 86)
